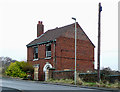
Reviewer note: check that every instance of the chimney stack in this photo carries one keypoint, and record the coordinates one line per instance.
(40, 28)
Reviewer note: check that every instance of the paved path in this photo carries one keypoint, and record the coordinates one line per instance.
(32, 85)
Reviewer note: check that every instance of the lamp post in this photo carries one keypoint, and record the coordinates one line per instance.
(75, 50)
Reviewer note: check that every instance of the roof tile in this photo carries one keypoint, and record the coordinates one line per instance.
(65, 31)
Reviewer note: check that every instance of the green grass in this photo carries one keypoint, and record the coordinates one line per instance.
(67, 81)
(91, 84)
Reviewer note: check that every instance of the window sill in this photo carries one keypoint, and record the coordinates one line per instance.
(48, 58)
(35, 59)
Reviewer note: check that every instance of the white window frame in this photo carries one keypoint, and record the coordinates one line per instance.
(48, 52)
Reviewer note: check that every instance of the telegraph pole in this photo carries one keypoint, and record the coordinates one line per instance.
(99, 35)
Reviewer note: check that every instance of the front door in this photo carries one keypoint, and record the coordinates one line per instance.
(46, 70)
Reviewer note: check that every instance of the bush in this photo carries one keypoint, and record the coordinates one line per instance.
(106, 71)
(26, 67)
(18, 69)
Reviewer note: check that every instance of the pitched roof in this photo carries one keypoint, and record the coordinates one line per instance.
(65, 31)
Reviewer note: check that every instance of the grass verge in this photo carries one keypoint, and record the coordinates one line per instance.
(91, 84)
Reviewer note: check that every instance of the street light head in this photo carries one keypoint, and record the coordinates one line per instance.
(74, 18)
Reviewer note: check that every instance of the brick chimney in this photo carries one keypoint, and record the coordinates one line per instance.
(40, 28)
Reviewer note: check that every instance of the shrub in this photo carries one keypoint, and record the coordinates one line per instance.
(27, 67)
(14, 70)
(106, 71)
(18, 69)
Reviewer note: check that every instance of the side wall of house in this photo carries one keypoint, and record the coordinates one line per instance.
(65, 54)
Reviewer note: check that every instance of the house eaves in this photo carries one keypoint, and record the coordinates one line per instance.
(41, 43)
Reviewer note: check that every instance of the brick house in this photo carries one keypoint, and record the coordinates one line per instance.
(55, 49)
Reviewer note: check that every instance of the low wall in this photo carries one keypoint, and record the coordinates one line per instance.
(66, 74)
(113, 78)
(88, 77)
(92, 77)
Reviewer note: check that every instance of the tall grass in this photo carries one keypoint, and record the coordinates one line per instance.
(67, 81)
(81, 82)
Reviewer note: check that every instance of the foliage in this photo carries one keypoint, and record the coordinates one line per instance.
(14, 70)
(67, 81)
(26, 67)
(106, 71)
(108, 85)
(18, 69)
(81, 82)
(4, 63)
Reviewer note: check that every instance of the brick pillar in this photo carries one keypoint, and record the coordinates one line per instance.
(51, 72)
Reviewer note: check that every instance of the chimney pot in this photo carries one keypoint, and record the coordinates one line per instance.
(38, 22)
(41, 22)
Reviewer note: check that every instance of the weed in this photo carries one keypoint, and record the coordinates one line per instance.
(81, 82)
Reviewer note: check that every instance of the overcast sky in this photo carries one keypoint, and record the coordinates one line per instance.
(18, 24)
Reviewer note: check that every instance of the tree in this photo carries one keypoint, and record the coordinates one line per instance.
(5, 62)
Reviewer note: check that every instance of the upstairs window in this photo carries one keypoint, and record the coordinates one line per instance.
(48, 50)
(35, 52)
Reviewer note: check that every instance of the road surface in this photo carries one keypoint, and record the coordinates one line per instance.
(32, 86)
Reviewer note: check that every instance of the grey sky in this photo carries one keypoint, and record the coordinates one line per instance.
(18, 25)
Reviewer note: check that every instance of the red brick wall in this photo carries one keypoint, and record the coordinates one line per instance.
(42, 61)
(30, 54)
(69, 74)
(41, 52)
(65, 55)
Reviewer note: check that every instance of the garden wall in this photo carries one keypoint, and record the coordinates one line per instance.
(66, 74)
(92, 77)
(88, 77)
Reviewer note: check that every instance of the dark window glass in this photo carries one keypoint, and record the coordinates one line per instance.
(48, 48)
(35, 52)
